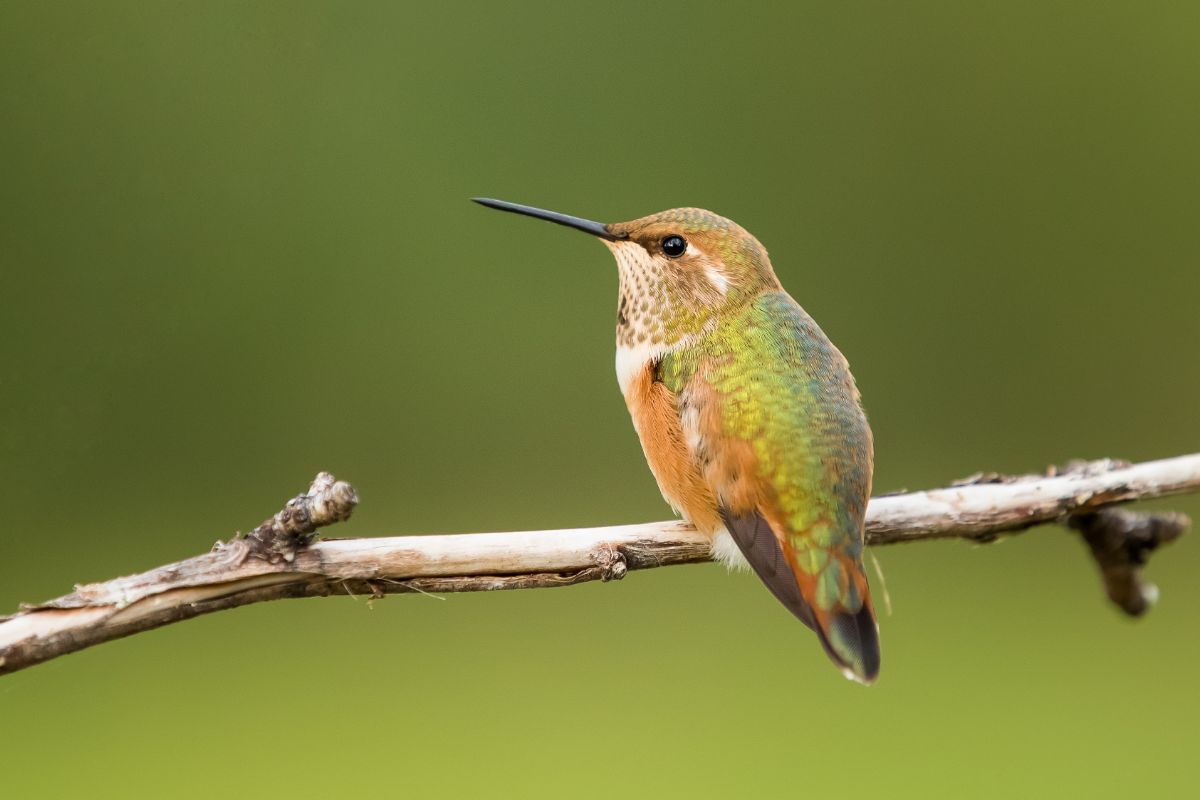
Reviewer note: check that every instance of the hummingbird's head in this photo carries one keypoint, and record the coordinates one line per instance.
(678, 268)
(688, 262)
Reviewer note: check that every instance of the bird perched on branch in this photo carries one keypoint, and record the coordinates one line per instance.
(747, 413)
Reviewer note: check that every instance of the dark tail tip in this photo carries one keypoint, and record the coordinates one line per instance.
(852, 641)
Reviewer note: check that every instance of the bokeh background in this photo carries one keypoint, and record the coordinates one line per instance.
(235, 249)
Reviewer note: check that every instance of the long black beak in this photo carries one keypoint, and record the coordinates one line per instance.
(578, 223)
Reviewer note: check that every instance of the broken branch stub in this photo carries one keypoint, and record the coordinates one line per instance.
(279, 537)
(1121, 542)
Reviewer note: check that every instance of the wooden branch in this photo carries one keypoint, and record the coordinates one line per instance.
(278, 559)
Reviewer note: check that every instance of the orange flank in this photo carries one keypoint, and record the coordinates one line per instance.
(655, 412)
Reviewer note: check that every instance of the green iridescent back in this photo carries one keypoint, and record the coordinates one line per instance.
(786, 390)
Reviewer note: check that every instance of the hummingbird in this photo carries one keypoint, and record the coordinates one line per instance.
(747, 414)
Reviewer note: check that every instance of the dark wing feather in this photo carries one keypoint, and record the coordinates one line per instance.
(760, 546)
(856, 635)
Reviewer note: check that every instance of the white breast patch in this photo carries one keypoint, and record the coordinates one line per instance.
(631, 360)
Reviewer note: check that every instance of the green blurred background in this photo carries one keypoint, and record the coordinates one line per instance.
(236, 249)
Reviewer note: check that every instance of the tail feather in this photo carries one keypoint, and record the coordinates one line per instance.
(852, 642)
(850, 638)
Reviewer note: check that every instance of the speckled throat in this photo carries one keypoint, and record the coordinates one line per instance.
(652, 310)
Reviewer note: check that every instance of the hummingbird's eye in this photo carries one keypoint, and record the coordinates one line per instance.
(674, 245)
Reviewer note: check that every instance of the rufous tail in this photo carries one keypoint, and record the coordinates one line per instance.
(851, 638)
(844, 621)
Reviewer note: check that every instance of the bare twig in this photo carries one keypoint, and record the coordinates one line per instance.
(279, 560)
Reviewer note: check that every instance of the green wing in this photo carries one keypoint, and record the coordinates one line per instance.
(787, 390)
(784, 389)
